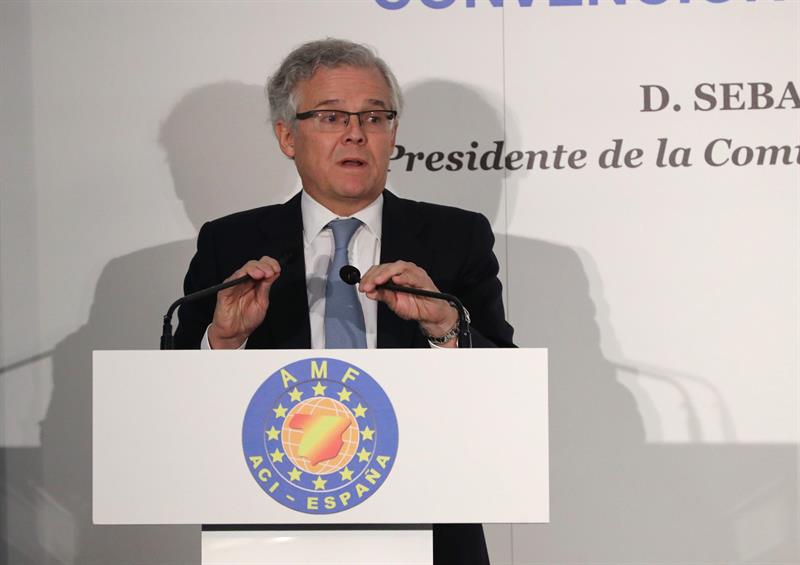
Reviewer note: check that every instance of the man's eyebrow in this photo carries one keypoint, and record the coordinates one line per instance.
(326, 102)
(334, 101)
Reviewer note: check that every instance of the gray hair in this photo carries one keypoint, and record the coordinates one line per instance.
(303, 62)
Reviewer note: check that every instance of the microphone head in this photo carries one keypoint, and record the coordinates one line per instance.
(350, 274)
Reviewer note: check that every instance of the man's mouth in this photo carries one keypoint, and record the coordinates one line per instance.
(352, 162)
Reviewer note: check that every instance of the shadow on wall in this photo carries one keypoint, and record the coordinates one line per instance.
(614, 498)
(222, 158)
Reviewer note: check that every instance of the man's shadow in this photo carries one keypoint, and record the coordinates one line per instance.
(550, 303)
(613, 498)
(223, 158)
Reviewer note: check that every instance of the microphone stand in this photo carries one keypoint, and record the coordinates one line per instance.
(166, 331)
(351, 275)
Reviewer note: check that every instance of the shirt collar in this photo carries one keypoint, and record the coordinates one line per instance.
(316, 217)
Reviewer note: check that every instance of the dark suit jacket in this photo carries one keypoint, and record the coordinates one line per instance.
(452, 245)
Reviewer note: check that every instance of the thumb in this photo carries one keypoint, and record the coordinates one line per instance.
(262, 291)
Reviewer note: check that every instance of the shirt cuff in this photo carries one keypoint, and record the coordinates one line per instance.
(205, 344)
(434, 346)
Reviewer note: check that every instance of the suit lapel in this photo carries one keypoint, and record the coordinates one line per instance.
(401, 239)
(287, 325)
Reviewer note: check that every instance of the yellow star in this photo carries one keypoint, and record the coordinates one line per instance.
(272, 433)
(280, 411)
(295, 395)
(363, 455)
(344, 395)
(294, 474)
(319, 483)
(277, 456)
(347, 474)
(366, 433)
(359, 411)
(319, 389)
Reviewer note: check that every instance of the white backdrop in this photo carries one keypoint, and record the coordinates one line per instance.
(668, 296)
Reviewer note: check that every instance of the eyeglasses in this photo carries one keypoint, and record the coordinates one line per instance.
(371, 121)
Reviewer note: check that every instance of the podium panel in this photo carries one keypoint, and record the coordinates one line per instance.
(314, 547)
(177, 436)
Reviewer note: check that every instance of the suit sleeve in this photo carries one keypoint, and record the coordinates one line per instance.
(481, 291)
(194, 317)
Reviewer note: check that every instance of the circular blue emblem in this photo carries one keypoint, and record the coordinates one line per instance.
(320, 436)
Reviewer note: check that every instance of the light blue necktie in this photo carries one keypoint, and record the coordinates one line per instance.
(344, 319)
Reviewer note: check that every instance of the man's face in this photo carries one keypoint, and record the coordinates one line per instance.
(344, 171)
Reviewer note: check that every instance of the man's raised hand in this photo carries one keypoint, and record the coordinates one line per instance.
(241, 309)
(436, 317)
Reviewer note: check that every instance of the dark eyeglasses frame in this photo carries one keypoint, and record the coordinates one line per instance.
(390, 115)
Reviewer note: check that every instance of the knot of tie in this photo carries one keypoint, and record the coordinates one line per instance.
(343, 231)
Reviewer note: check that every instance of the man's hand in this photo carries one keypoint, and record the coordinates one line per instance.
(241, 309)
(435, 317)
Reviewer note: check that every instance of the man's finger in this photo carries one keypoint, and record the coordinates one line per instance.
(400, 272)
(262, 292)
(262, 273)
(264, 268)
(416, 279)
(381, 274)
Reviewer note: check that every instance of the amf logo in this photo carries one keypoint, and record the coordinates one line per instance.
(320, 436)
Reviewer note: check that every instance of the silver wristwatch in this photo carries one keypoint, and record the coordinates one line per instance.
(451, 333)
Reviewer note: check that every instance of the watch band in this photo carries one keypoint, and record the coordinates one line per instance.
(450, 334)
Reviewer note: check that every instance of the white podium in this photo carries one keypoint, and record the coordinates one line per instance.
(363, 445)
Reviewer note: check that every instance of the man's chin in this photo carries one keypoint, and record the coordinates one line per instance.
(359, 191)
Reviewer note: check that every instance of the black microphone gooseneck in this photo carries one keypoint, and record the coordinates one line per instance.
(351, 275)
(166, 330)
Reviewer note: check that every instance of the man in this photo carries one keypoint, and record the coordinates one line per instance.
(334, 107)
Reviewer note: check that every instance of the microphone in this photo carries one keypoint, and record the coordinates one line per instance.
(351, 275)
(166, 330)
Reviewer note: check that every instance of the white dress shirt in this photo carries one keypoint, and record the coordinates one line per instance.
(363, 251)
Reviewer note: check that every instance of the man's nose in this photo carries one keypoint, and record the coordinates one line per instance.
(354, 132)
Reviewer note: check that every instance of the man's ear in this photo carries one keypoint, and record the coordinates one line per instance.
(394, 141)
(394, 136)
(285, 135)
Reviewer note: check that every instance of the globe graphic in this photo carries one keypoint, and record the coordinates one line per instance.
(291, 437)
